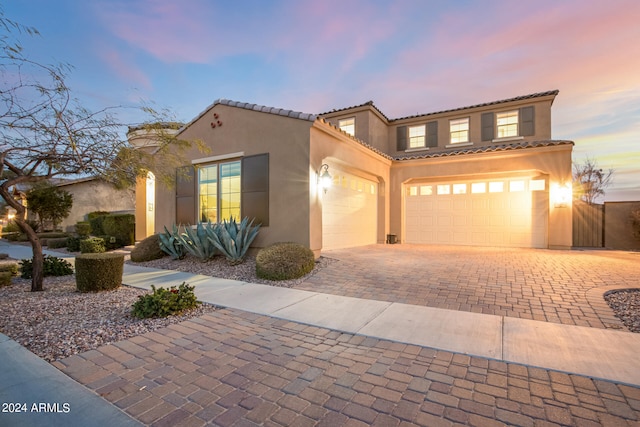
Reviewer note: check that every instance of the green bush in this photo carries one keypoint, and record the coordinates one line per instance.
(99, 271)
(284, 261)
(111, 242)
(9, 267)
(60, 242)
(5, 278)
(92, 245)
(122, 226)
(52, 235)
(147, 250)
(4, 256)
(73, 244)
(165, 302)
(11, 232)
(53, 266)
(96, 221)
(83, 228)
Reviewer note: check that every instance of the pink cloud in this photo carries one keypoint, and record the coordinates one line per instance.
(124, 68)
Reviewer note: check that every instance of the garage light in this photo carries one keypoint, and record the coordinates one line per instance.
(324, 179)
(561, 195)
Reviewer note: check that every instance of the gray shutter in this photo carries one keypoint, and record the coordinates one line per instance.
(432, 134)
(487, 123)
(186, 195)
(527, 121)
(255, 188)
(401, 138)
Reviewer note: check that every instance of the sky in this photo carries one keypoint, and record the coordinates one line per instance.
(407, 56)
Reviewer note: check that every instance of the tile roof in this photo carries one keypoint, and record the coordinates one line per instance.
(265, 109)
(502, 101)
(484, 149)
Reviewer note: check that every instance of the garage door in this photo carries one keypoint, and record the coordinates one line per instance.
(508, 212)
(349, 212)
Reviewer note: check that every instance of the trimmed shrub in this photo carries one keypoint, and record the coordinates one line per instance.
(147, 250)
(122, 226)
(53, 266)
(9, 267)
(60, 242)
(4, 256)
(73, 244)
(99, 272)
(11, 232)
(5, 278)
(83, 228)
(52, 235)
(92, 245)
(165, 302)
(284, 261)
(111, 242)
(96, 221)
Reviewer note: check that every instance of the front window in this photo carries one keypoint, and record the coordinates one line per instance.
(348, 125)
(507, 124)
(416, 136)
(459, 130)
(219, 191)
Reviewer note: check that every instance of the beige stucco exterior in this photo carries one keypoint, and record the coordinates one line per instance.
(298, 145)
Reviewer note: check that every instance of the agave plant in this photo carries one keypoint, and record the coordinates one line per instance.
(196, 242)
(233, 239)
(170, 243)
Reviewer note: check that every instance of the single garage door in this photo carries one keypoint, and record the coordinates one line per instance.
(349, 212)
(506, 212)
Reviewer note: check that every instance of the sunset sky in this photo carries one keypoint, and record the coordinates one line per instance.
(409, 57)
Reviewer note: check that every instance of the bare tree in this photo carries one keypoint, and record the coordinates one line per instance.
(46, 133)
(589, 181)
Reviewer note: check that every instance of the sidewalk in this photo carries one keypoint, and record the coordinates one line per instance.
(591, 352)
(598, 353)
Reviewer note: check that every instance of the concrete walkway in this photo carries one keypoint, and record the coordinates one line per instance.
(592, 352)
(598, 353)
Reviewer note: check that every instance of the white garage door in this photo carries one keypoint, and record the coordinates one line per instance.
(349, 212)
(507, 212)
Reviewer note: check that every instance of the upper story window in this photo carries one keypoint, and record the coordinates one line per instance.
(507, 124)
(459, 130)
(417, 136)
(219, 191)
(348, 125)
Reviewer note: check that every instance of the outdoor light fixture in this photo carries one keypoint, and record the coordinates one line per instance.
(324, 179)
(561, 195)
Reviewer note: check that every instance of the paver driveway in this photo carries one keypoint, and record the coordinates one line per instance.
(548, 285)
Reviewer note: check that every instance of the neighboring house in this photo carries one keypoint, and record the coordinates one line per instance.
(487, 175)
(93, 194)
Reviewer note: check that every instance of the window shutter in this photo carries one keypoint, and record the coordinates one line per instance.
(487, 123)
(432, 134)
(527, 121)
(401, 138)
(186, 195)
(255, 188)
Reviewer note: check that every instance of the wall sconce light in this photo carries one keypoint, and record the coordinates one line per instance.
(324, 179)
(561, 195)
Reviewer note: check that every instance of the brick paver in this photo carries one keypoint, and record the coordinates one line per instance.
(232, 368)
(548, 285)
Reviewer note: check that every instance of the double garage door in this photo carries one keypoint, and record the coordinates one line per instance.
(498, 212)
(349, 212)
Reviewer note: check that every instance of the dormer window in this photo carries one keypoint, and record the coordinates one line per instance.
(348, 125)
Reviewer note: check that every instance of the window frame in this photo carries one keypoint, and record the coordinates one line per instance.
(222, 196)
(459, 121)
(508, 125)
(411, 139)
(345, 127)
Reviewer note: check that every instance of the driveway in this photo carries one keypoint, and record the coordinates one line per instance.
(548, 285)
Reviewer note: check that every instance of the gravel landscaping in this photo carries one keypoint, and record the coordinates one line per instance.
(60, 321)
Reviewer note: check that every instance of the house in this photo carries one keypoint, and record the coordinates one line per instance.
(487, 175)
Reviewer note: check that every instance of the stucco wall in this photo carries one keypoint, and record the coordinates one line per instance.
(244, 133)
(552, 163)
(96, 195)
(618, 228)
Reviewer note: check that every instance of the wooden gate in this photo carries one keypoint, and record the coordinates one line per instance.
(588, 224)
